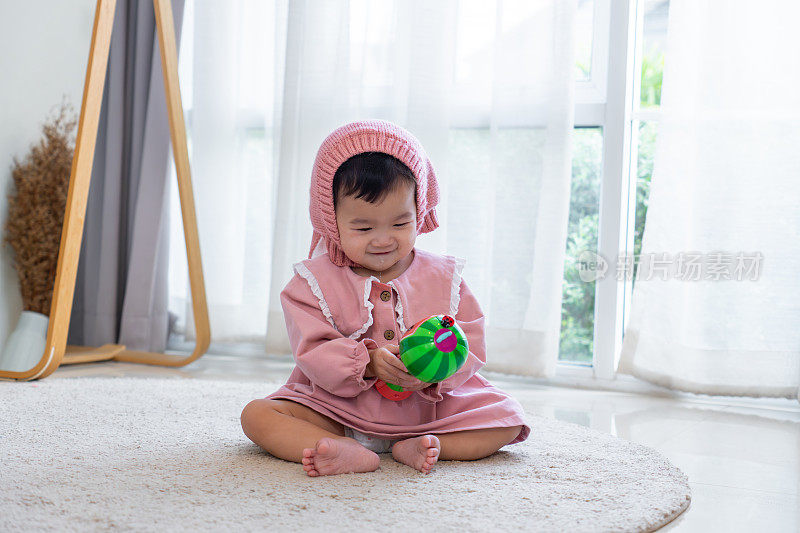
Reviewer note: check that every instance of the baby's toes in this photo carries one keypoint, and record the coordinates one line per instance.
(431, 441)
(431, 459)
(309, 464)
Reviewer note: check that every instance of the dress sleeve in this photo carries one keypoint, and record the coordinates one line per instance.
(328, 358)
(471, 319)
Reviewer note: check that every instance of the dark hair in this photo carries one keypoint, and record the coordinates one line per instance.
(371, 175)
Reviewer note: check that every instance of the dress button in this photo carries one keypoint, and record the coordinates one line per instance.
(388, 334)
(386, 296)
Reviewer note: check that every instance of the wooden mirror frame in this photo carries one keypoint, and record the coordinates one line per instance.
(56, 350)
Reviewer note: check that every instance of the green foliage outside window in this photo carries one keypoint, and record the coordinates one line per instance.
(652, 73)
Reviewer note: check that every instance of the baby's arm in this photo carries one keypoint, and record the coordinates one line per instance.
(328, 358)
(470, 318)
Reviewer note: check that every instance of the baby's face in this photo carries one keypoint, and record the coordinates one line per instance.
(366, 230)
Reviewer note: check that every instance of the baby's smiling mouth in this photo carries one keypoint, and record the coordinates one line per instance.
(381, 253)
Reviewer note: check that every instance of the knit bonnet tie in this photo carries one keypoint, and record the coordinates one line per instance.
(353, 139)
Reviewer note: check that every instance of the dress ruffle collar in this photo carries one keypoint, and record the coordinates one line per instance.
(363, 286)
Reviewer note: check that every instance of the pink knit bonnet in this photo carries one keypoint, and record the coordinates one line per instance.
(353, 139)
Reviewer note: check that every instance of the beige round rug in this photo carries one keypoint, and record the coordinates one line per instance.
(169, 454)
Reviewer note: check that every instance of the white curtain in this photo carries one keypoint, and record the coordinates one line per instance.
(725, 192)
(485, 85)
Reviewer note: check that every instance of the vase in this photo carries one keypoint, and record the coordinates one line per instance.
(25, 346)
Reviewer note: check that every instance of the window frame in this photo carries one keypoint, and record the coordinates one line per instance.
(620, 24)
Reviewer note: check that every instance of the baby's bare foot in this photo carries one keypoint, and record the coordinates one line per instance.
(418, 452)
(338, 456)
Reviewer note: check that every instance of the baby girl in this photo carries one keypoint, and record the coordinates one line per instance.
(373, 190)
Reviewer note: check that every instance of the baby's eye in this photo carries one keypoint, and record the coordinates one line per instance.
(397, 225)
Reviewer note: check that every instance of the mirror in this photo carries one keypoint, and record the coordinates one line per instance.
(46, 48)
(42, 357)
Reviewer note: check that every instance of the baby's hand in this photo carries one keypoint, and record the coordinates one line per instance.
(384, 364)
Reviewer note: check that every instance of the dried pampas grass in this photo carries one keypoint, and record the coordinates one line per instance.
(36, 213)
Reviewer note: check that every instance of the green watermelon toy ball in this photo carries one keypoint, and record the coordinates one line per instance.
(432, 351)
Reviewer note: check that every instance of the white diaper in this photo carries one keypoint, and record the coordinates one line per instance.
(371, 443)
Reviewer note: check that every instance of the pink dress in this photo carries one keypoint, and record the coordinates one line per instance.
(334, 314)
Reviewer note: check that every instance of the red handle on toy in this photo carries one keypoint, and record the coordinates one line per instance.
(389, 393)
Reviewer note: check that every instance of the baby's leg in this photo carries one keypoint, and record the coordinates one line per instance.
(476, 443)
(294, 432)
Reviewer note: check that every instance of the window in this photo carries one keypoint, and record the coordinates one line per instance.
(620, 156)
(578, 296)
(578, 302)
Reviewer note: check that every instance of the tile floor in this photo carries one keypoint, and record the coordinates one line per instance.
(742, 455)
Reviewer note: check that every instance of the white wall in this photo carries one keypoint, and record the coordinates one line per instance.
(44, 47)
